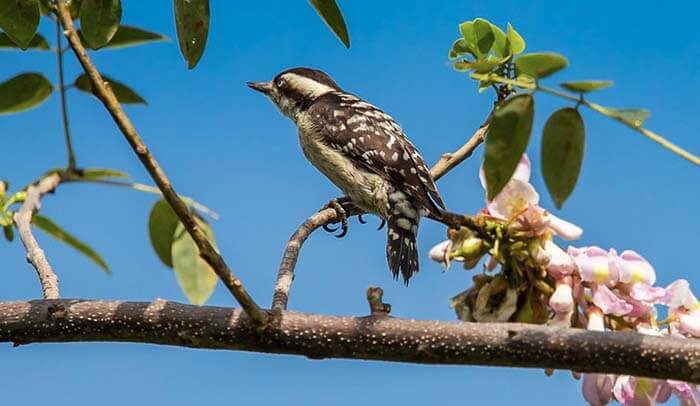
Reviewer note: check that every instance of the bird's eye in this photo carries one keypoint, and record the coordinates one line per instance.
(281, 83)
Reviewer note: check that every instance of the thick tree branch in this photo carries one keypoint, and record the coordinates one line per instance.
(370, 338)
(285, 272)
(23, 222)
(104, 93)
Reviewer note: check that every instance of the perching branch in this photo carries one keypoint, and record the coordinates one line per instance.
(450, 160)
(369, 338)
(285, 273)
(105, 94)
(23, 222)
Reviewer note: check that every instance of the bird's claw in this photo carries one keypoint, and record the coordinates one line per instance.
(342, 206)
(337, 205)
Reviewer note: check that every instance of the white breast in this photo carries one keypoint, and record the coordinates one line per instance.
(367, 190)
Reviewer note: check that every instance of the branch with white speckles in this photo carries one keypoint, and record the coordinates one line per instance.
(285, 272)
(23, 222)
(380, 338)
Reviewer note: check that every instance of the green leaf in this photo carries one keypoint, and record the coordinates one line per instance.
(47, 225)
(99, 173)
(484, 85)
(331, 15)
(195, 277)
(9, 233)
(123, 92)
(563, 140)
(483, 35)
(461, 66)
(99, 21)
(634, 117)
(162, 222)
(539, 65)
(192, 23)
(74, 8)
(484, 65)
(585, 86)
(128, 36)
(23, 92)
(38, 42)
(517, 43)
(459, 47)
(501, 46)
(20, 20)
(469, 35)
(508, 136)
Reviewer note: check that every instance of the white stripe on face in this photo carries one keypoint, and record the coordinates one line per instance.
(306, 86)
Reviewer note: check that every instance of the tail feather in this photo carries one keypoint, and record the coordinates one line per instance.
(401, 251)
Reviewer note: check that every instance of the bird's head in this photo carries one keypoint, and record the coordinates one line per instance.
(296, 88)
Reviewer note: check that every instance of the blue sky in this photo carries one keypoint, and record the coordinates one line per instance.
(229, 148)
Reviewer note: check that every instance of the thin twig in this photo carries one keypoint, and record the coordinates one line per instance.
(449, 161)
(147, 189)
(23, 222)
(62, 93)
(206, 251)
(368, 338)
(376, 306)
(285, 272)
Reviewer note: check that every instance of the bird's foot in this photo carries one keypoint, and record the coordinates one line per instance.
(342, 207)
(363, 221)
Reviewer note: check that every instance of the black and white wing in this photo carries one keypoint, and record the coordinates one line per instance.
(373, 140)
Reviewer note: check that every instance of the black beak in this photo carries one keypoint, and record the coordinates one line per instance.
(262, 87)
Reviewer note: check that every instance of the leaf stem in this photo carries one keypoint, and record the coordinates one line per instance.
(148, 189)
(62, 91)
(629, 123)
(579, 100)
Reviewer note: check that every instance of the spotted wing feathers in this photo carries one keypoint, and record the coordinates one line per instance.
(373, 140)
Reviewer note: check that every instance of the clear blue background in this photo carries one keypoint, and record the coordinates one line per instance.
(228, 147)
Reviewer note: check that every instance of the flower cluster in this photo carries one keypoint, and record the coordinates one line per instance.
(585, 287)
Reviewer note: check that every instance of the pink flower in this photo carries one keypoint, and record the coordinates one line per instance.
(624, 389)
(684, 308)
(515, 198)
(439, 253)
(594, 264)
(562, 303)
(648, 293)
(560, 263)
(522, 171)
(633, 268)
(680, 295)
(563, 228)
(609, 303)
(596, 322)
(518, 202)
(688, 394)
(562, 300)
(597, 389)
(690, 323)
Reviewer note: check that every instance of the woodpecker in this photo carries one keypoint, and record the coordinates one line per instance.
(364, 152)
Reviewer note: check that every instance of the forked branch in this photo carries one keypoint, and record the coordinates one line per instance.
(23, 222)
(104, 93)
